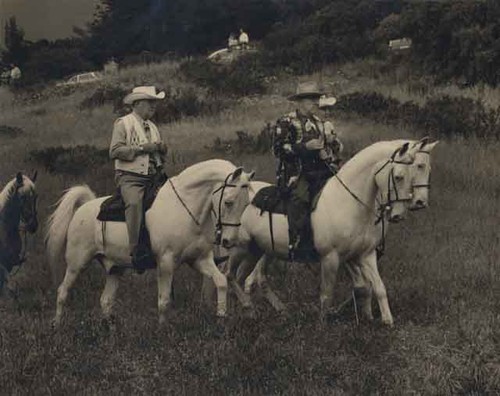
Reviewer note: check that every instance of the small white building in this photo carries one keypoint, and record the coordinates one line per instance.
(400, 44)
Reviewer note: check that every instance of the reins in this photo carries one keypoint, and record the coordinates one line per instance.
(389, 180)
(381, 206)
(220, 224)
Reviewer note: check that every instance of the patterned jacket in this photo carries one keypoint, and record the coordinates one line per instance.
(296, 129)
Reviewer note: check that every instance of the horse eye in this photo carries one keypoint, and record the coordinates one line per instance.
(421, 166)
(398, 177)
(229, 203)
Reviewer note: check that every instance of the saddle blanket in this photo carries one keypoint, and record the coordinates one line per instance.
(271, 199)
(113, 208)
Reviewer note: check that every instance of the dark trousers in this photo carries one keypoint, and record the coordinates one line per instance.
(299, 204)
(298, 209)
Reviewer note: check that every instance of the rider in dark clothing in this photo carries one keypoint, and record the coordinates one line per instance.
(306, 146)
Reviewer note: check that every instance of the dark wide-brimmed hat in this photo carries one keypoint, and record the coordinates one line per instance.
(309, 89)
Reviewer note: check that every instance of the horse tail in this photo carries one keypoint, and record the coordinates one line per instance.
(58, 224)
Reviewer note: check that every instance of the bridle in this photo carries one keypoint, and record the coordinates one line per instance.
(428, 184)
(219, 223)
(390, 179)
(218, 215)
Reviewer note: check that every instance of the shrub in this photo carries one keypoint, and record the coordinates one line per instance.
(187, 103)
(9, 131)
(105, 94)
(244, 143)
(444, 116)
(72, 160)
(240, 78)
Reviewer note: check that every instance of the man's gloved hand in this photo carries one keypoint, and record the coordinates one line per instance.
(315, 144)
(150, 148)
(293, 181)
(162, 147)
(287, 147)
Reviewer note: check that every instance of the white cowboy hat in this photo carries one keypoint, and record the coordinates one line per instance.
(143, 93)
(308, 89)
(327, 101)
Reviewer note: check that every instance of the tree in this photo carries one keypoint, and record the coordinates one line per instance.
(14, 42)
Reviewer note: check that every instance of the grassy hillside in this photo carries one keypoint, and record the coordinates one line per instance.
(441, 270)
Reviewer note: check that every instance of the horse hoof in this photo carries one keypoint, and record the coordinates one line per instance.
(388, 322)
(55, 324)
(162, 320)
(249, 313)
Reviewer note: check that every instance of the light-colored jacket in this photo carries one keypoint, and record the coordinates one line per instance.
(128, 136)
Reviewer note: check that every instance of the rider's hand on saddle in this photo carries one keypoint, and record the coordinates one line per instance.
(150, 148)
(315, 144)
(162, 148)
(287, 147)
(293, 181)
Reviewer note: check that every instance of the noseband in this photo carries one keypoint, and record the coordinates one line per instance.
(218, 215)
(428, 185)
(392, 179)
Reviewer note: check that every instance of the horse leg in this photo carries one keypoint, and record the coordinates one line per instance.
(253, 277)
(166, 267)
(246, 267)
(76, 262)
(207, 267)
(329, 268)
(370, 271)
(269, 294)
(362, 290)
(108, 295)
(207, 291)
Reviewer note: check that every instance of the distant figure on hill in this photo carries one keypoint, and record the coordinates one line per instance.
(15, 74)
(243, 40)
(232, 42)
(111, 67)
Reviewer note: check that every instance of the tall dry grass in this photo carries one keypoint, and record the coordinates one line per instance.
(442, 271)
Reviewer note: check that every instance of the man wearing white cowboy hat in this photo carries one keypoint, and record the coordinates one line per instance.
(139, 154)
(302, 144)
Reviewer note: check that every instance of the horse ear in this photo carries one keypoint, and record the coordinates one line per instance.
(35, 174)
(19, 179)
(237, 173)
(432, 145)
(424, 141)
(251, 175)
(404, 148)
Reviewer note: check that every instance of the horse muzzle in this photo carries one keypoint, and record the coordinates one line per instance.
(418, 205)
(396, 218)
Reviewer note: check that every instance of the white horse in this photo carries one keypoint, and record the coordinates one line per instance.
(343, 223)
(420, 180)
(179, 223)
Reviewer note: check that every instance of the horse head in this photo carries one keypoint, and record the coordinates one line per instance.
(27, 200)
(394, 181)
(229, 200)
(421, 174)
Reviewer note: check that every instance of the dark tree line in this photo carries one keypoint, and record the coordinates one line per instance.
(451, 39)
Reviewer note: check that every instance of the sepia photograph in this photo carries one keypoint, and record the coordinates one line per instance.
(249, 197)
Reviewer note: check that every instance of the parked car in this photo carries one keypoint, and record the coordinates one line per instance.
(83, 78)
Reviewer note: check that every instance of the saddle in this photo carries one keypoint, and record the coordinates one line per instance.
(273, 200)
(113, 209)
